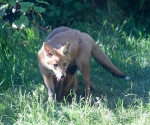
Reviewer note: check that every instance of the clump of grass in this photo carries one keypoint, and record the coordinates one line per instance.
(32, 108)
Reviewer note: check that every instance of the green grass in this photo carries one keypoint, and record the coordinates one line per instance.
(23, 96)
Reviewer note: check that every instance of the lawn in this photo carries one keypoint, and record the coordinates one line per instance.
(23, 96)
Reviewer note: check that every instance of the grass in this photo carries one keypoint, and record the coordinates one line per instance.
(23, 96)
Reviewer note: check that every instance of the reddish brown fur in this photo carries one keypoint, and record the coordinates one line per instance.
(72, 47)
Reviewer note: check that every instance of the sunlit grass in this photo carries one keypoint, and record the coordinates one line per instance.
(23, 96)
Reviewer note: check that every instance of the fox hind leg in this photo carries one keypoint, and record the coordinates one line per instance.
(84, 68)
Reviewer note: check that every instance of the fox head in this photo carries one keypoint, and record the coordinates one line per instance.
(57, 60)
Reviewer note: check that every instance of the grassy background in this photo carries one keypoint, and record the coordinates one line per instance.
(23, 96)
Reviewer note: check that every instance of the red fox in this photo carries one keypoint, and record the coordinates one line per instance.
(65, 47)
(62, 87)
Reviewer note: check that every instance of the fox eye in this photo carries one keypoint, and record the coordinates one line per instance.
(65, 64)
(55, 65)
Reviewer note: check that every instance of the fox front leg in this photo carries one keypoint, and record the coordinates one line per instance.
(48, 80)
(58, 89)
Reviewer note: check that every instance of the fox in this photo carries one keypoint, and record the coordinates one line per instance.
(65, 47)
(70, 80)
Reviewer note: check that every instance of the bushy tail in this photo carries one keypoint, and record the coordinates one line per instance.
(103, 59)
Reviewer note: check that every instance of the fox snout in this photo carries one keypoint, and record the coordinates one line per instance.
(60, 76)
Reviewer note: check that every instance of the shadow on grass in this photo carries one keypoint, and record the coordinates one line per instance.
(112, 90)
(115, 91)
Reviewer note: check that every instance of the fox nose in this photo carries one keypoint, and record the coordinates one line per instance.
(63, 76)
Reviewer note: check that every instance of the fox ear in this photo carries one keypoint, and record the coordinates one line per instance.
(48, 49)
(67, 48)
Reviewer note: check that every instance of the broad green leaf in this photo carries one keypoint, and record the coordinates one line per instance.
(25, 6)
(17, 22)
(12, 2)
(39, 9)
(23, 18)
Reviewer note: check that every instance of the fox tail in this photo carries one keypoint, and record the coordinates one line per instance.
(103, 59)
